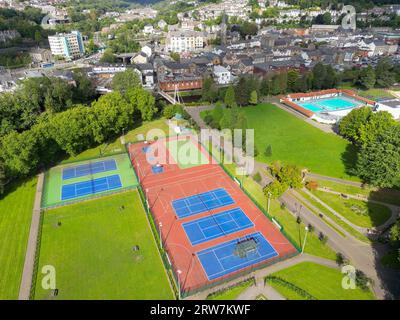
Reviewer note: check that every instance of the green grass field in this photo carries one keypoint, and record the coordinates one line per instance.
(361, 213)
(54, 180)
(92, 251)
(232, 293)
(297, 142)
(15, 220)
(322, 282)
(186, 153)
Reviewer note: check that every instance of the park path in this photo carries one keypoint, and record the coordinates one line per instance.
(365, 257)
(29, 264)
(395, 210)
(259, 276)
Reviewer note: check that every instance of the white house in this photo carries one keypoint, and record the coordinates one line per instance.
(162, 24)
(148, 29)
(147, 50)
(222, 75)
(390, 105)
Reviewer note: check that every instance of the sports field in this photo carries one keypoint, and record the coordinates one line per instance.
(84, 179)
(15, 220)
(294, 141)
(92, 251)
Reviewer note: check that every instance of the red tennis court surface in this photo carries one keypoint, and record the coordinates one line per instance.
(174, 183)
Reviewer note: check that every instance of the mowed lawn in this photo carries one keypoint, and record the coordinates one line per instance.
(15, 220)
(297, 142)
(92, 251)
(323, 283)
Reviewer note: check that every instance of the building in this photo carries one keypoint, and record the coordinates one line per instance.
(67, 45)
(39, 55)
(179, 82)
(390, 105)
(185, 41)
(222, 75)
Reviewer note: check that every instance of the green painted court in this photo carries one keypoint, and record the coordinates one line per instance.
(85, 179)
(186, 153)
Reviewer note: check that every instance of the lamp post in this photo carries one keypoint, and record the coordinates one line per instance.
(305, 239)
(269, 200)
(179, 284)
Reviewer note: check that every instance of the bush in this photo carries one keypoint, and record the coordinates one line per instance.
(312, 185)
(268, 151)
(257, 177)
(291, 286)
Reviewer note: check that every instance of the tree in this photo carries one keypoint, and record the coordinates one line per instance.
(268, 151)
(59, 96)
(350, 125)
(217, 113)
(175, 56)
(122, 81)
(253, 97)
(379, 160)
(275, 189)
(366, 78)
(209, 92)
(292, 78)
(84, 91)
(2, 177)
(378, 123)
(241, 92)
(319, 75)
(38, 36)
(108, 56)
(143, 101)
(230, 100)
(384, 74)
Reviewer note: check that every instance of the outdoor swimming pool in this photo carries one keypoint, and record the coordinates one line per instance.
(330, 104)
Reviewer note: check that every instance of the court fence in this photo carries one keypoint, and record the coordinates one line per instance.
(259, 206)
(89, 197)
(156, 234)
(169, 262)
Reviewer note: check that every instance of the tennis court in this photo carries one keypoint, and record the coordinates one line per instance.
(223, 259)
(186, 153)
(215, 226)
(84, 179)
(201, 202)
(89, 187)
(89, 169)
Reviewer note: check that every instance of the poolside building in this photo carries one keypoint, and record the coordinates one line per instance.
(390, 105)
(326, 106)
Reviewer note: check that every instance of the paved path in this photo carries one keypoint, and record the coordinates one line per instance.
(259, 276)
(342, 181)
(29, 264)
(261, 288)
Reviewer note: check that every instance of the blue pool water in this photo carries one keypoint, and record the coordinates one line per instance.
(330, 104)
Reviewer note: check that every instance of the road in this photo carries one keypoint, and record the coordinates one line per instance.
(363, 256)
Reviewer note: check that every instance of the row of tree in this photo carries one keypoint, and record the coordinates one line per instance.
(72, 131)
(377, 138)
(22, 109)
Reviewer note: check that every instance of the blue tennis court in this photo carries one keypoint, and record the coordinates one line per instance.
(208, 228)
(201, 202)
(221, 259)
(85, 188)
(88, 169)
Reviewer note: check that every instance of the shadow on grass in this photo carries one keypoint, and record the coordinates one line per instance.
(349, 159)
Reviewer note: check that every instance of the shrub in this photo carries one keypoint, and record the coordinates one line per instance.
(257, 177)
(312, 185)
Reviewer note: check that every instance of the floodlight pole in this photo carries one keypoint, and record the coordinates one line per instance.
(179, 284)
(269, 201)
(305, 239)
